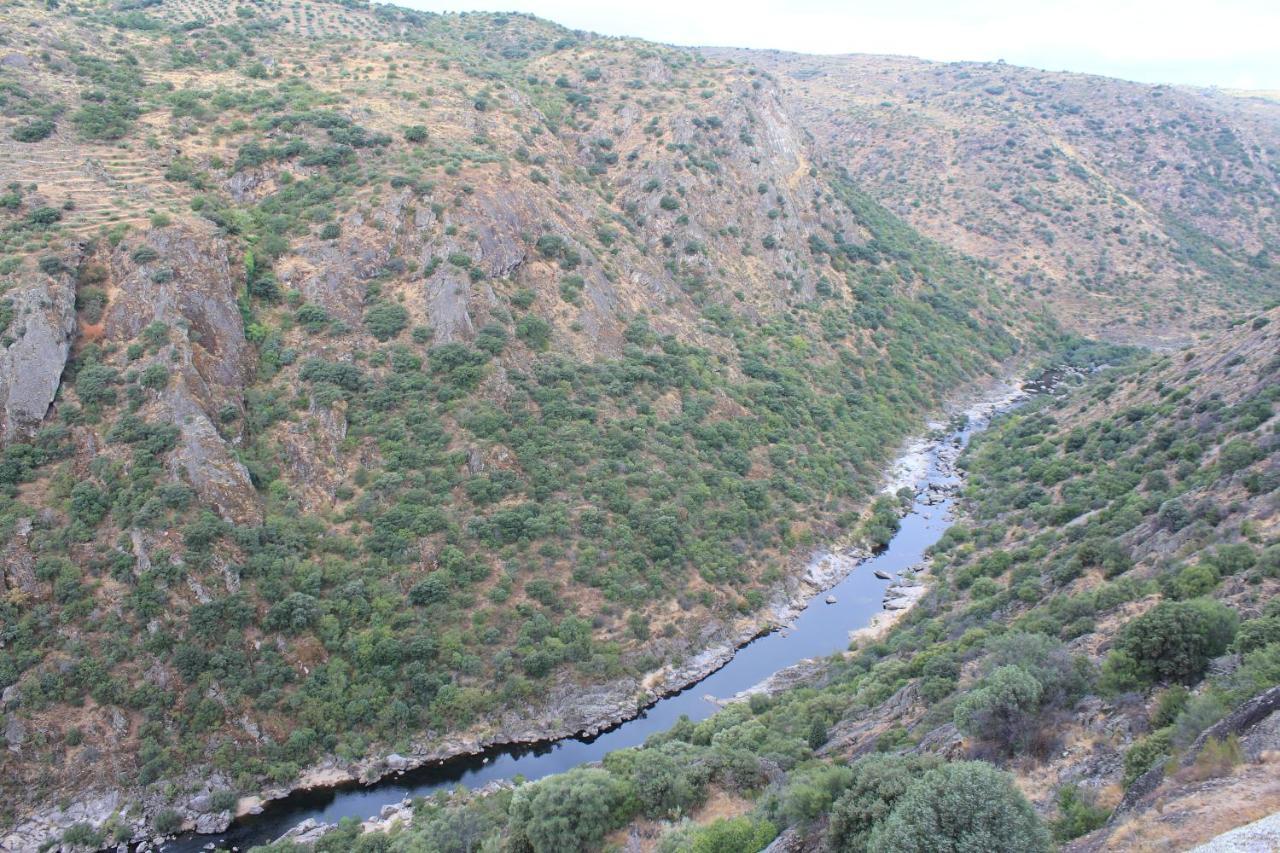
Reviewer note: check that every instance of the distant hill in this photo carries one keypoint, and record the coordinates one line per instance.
(1140, 212)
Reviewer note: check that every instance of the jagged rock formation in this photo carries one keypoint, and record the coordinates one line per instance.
(39, 314)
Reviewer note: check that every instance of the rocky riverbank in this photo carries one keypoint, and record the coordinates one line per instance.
(908, 471)
(591, 710)
(571, 709)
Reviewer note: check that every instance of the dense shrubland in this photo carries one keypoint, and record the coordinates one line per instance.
(495, 516)
(1005, 665)
(641, 416)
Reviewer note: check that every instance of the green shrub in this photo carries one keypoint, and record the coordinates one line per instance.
(155, 377)
(569, 812)
(107, 120)
(1256, 633)
(1062, 677)
(1193, 581)
(1216, 758)
(311, 317)
(89, 504)
(1001, 709)
(1077, 814)
(1175, 640)
(386, 320)
(963, 806)
(43, 217)
(83, 835)
(1237, 454)
(664, 781)
(1169, 705)
(878, 782)
(1200, 712)
(1120, 674)
(35, 131)
(811, 789)
(95, 384)
(1146, 753)
(534, 331)
(723, 835)
(166, 822)
(491, 338)
(223, 800)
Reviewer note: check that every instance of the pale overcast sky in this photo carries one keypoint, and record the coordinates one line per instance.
(1228, 43)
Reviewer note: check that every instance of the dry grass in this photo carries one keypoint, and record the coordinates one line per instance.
(642, 836)
(1189, 814)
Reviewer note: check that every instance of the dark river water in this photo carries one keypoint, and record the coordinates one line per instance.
(820, 630)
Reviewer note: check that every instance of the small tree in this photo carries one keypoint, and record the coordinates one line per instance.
(1175, 640)
(1077, 814)
(879, 781)
(964, 807)
(1001, 710)
(166, 821)
(724, 835)
(569, 812)
(34, 131)
(386, 320)
(534, 331)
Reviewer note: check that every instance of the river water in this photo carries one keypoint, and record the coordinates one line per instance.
(821, 629)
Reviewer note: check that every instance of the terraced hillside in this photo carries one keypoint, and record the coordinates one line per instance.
(1140, 211)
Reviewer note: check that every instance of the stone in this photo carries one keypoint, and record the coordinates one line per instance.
(207, 824)
(207, 355)
(44, 320)
(14, 733)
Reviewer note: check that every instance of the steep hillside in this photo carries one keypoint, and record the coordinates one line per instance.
(382, 382)
(1102, 628)
(1140, 211)
(378, 381)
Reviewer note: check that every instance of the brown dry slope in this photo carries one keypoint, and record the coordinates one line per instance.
(1138, 211)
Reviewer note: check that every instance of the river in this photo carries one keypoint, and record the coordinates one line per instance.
(821, 629)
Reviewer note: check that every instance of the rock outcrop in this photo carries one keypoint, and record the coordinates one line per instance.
(34, 345)
(179, 281)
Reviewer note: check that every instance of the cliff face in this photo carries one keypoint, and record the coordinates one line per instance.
(40, 320)
(370, 374)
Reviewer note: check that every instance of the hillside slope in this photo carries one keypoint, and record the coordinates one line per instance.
(1101, 626)
(1139, 211)
(382, 382)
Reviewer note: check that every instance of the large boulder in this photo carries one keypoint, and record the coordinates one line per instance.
(34, 346)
